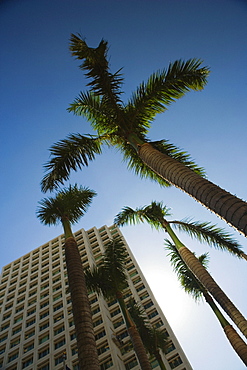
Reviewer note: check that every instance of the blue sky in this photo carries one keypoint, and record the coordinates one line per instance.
(39, 78)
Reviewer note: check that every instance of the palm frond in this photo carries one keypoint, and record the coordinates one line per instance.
(103, 117)
(152, 214)
(95, 63)
(72, 153)
(71, 202)
(205, 232)
(164, 87)
(187, 279)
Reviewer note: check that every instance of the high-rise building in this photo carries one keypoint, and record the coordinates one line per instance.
(36, 322)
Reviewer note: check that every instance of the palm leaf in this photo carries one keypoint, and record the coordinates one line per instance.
(102, 116)
(153, 214)
(69, 154)
(205, 232)
(95, 63)
(163, 87)
(109, 277)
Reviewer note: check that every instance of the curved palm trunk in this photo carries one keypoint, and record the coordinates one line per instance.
(235, 340)
(207, 281)
(134, 335)
(232, 209)
(87, 351)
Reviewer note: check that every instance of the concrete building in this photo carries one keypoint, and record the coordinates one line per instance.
(36, 322)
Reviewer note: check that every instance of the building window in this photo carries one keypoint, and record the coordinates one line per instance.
(44, 314)
(131, 363)
(44, 366)
(28, 347)
(44, 338)
(2, 339)
(107, 364)
(175, 361)
(8, 307)
(59, 330)
(115, 312)
(13, 356)
(31, 312)
(59, 344)
(59, 359)
(44, 304)
(147, 305)
(104, 348)
(44, 326)
(27, 362)
(32, 302)
(72, 336)
(118, 323)
(57, 297)
(93, 300)
(152, 314)
(58, 318)
(56, 308)
(19, 309)
(15, 342)
(100, 335)
(16, 330)
(44, 286)
(31, 322)
(141, 287)
(4, 327)
(2, 349)
(18, 319)
(46, 294)
(29, 334)
(44, 352)
(169, 347)
(7, 316)
(97, 322)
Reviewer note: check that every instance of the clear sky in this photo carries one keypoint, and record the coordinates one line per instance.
(38, 80)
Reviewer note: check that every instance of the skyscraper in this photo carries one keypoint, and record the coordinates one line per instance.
(36, 322)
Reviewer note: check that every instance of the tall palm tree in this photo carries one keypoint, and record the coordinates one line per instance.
(126, 126)
(152, 338)
(155, 215)
(67, 207)
(110, 279)
(193, 287)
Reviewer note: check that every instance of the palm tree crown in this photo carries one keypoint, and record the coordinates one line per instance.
(117, 123)
(125, 126)
(71, 203)
(205, 232)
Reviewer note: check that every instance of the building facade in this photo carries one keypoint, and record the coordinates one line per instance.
(36, 322)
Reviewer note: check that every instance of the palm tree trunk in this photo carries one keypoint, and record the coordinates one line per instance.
(87, 351)
(232, 209)
(235, 340)
(159, 359)
(134, 335)
(207, 281)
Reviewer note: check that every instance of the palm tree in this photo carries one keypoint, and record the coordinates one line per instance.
(155, 215)
(67, 207)
(152, 338)
(126, 126)
(110, 279)
(193, 287)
